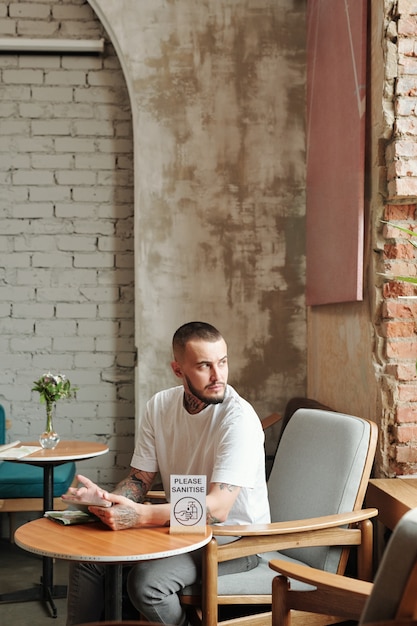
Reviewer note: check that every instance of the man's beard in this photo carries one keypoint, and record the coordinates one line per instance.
(203, 398)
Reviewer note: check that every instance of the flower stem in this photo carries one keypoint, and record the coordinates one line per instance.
(49, 414)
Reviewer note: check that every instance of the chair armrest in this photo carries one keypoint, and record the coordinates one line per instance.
(322, 579)
(334, 594)
(156, 494)
(270, 420)
(297, 526)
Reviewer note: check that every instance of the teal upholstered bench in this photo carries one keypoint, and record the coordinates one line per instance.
(21, 485)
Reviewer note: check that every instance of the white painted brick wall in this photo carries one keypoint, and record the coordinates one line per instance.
(66, 236)
(401, 81)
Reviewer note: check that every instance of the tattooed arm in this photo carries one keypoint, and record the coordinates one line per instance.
(127, 514)
(127, 498)
(220, 500)
(127, 510)
(136, 485)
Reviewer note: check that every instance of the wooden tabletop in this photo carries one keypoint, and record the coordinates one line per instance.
(96, 542)
(393, 497)
(66, 450)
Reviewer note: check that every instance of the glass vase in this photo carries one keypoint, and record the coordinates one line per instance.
(49, 438)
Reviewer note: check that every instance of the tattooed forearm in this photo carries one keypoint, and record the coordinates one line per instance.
(133, 487)
(211, 519)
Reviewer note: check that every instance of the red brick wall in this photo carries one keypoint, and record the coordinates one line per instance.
(399, 328)
(399, 303)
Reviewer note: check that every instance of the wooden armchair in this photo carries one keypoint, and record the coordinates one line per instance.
(318, 479)
(391, 599)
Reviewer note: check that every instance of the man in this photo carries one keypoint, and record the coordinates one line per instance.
(200, 427)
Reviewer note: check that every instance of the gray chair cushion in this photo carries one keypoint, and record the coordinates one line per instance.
(257, 581)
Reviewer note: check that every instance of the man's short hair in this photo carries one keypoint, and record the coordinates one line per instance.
(193, 330)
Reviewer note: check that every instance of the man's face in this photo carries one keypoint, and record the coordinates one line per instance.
(204, 370)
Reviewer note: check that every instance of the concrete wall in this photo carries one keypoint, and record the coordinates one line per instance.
(218, 103)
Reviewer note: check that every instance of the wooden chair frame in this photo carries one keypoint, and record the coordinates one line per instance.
(338, 595)
(254, 539)
(325, 531)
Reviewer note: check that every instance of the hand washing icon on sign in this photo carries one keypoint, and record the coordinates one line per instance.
(188, 511)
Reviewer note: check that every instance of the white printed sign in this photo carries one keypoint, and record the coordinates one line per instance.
(188, 504)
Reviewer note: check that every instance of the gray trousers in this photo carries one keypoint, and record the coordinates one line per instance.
(153, 587)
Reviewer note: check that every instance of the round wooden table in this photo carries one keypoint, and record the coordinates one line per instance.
(96, 542)
(64, 452)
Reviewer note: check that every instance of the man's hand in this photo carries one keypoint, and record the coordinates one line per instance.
(123, 514)
(90, 493)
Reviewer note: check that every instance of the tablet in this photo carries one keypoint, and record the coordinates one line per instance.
(93, 501)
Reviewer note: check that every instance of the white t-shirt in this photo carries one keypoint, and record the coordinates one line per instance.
(224, 441)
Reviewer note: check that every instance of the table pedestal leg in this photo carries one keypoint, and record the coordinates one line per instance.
(113, 595)
(49, 591)
(47, 566)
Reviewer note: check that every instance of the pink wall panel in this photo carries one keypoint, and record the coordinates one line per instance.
(336, 80)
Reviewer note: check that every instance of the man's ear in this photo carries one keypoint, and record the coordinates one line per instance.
(176, 368)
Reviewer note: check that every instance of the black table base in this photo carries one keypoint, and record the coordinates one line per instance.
(37, 593)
